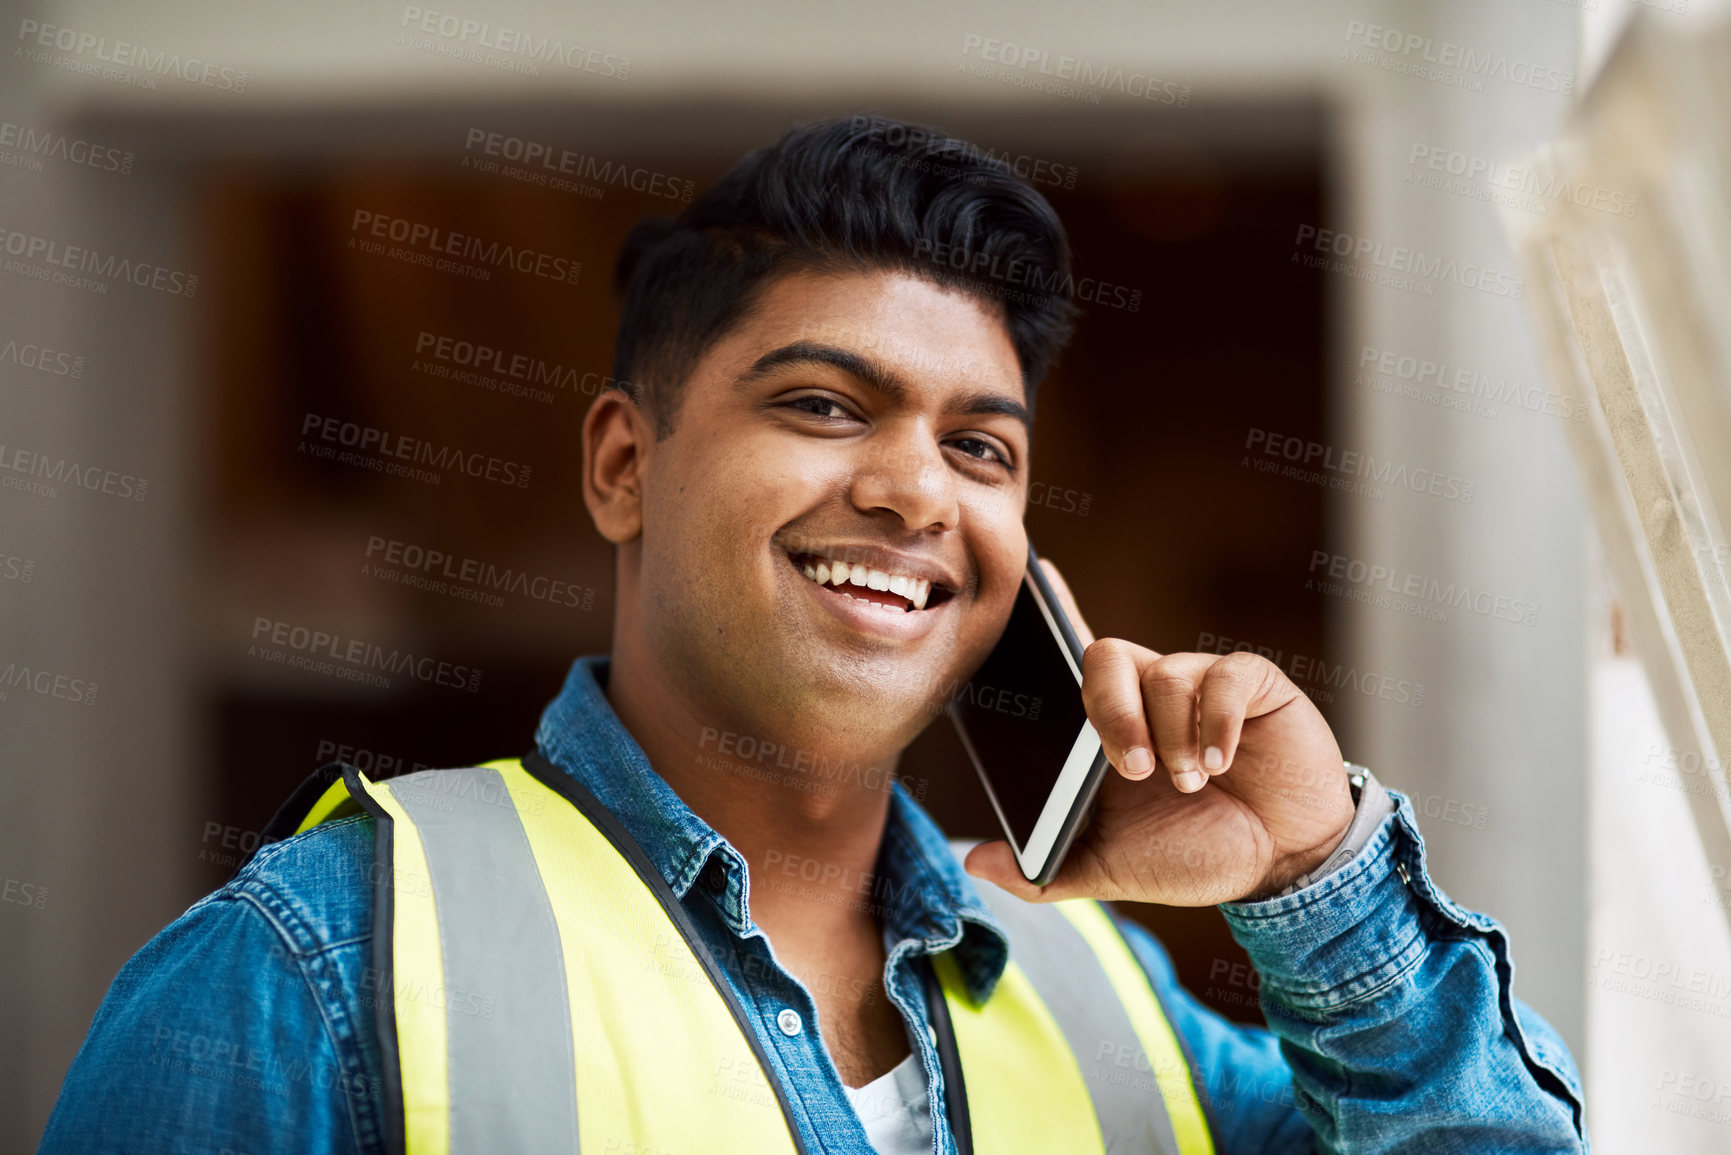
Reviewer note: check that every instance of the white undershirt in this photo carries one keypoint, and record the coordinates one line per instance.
(895, 1109)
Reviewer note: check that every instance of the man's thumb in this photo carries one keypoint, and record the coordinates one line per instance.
(995, 862)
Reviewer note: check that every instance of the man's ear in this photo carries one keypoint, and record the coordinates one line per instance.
(616, 438)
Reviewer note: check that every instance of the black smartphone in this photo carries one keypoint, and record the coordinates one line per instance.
(1022, 722)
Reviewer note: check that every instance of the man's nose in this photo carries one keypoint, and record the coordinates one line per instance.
(906, 474)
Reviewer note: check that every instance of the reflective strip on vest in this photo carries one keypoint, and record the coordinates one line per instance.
(504, 974)
(1161, 1050)
(1124, 1051)
(546, 1000)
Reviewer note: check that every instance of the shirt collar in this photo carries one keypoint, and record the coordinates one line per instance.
(920, 890)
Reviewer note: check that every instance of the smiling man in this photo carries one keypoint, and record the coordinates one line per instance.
(642, 938)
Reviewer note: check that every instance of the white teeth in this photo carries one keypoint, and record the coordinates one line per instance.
(888, 609)
(839, 573)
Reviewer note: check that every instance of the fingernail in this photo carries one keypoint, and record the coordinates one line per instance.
(1190, 781)
(1139, 762)
(1213, 758)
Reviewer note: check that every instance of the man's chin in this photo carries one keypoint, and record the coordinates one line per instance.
(876, 694)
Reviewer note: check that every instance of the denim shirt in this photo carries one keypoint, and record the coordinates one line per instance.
(247, 1025)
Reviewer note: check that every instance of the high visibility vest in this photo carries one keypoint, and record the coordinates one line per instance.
(539, 988)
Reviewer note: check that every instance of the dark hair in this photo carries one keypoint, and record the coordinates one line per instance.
(857, 193)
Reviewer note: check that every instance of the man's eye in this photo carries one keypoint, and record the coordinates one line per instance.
(819, 406)
(983, 450)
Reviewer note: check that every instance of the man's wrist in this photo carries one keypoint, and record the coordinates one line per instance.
(1371, 804)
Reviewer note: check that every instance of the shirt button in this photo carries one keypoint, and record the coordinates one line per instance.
(789, 1022)
(715, 878)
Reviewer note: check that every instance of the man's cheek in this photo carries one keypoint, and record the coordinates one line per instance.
(981, 616)
(998, 541)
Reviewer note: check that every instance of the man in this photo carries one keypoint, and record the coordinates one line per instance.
(816, 488)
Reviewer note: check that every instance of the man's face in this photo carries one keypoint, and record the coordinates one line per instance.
(870, 422)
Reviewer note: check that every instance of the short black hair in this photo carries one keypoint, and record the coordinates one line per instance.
(855, 193)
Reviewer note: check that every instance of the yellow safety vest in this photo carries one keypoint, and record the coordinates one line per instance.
(541, 989)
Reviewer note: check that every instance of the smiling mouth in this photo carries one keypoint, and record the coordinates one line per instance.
(889, 591)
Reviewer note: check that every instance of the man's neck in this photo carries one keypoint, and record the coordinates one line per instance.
(808, 825)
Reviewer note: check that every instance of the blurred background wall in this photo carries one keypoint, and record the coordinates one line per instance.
(1214, 182)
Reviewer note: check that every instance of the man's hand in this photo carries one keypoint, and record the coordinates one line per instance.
(1250, 791)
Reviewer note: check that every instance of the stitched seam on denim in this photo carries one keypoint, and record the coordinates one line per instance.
(287, 922)
(248, 885)
(247, 894)
(963, 915)
(1352, 918)
(918, 852)
(1425, 917)
(693, 870)
(908, 847)
(1532, 1047)
(686, 872)
(364, 936)
(749, 996)
(1495, 945)
(278, 913)
(908, 989)
(1442, 923)
(1435, 912)
(966, 910)
(328, 998)
(622, 750)
(1405, 959)
(1534, 1058)
(1411, 852)
(1437, 902)
(1385, 842)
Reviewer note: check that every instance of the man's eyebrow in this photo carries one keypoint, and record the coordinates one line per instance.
(877, 377)
(970, 404)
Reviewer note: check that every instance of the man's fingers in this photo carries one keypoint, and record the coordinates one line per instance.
(1223, 701)
(1112, 696)
(1169, 689)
